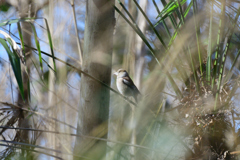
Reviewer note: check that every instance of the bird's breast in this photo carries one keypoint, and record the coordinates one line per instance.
(123, 88)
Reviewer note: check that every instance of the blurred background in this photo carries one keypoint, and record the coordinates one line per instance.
(181, 54)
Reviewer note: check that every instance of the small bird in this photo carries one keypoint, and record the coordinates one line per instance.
(125, 84)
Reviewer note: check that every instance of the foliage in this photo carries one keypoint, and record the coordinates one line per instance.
(207, 98)
(189, 108)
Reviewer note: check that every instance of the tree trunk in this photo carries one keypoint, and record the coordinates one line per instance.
(52, 139)
(25, 11)
(94, 97)
(139, 46)
(139, 66)
(25, 8)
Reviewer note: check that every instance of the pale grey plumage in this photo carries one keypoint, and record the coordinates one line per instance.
(125, 84)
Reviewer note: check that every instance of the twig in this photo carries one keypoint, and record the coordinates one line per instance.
(76, 30)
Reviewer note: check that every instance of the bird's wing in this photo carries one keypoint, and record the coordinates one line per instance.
(128, 81)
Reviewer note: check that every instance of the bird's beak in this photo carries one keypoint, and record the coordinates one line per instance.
(116, 73)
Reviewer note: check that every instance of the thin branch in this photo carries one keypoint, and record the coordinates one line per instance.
(40, 147)
(37, 113)
(77, 135)
(32, 150)
(76, 30)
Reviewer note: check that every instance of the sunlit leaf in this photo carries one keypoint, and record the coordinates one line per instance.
(15, 63)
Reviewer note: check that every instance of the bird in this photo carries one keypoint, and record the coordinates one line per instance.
(125, 84)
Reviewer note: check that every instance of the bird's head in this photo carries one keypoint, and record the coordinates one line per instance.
(121, 73)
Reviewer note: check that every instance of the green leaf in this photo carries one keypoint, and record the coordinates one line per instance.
(7, 22)
(15, 63)
(50, 43)
(167, 14)
(4, 6)
(38, 46)
(171, 7)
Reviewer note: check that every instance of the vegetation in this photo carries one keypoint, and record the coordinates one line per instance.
(182, 55)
